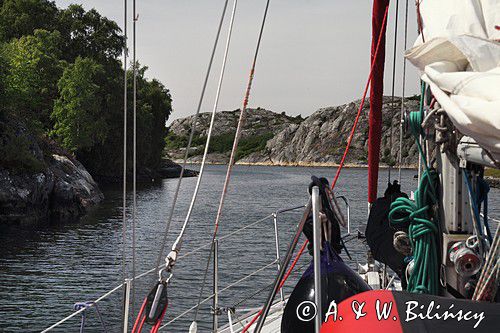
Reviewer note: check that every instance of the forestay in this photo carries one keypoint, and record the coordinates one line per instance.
(458, 52)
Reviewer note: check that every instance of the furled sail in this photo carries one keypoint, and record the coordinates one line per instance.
(379, 26)
(458, 53)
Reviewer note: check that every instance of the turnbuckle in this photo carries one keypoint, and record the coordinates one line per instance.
(170, 261)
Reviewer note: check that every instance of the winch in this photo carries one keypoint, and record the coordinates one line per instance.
(466, 260)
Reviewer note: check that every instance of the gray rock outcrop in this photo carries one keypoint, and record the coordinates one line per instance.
(319, 139)
(60, 189)
(258, 121)
(322, 137)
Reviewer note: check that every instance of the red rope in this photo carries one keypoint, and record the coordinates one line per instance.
(293, 264)
(297, 257)
(156, 327)
(139, 318)
(353, 130)
(420, 22)
(143, 320)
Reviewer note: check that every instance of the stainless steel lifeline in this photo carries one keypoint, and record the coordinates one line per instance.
(316, 203)
(286, 261)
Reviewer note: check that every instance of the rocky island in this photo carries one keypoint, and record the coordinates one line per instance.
(270, 138)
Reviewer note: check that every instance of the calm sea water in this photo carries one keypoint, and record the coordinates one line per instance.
(43, 272)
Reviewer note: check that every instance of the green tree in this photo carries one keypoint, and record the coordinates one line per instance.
(79, 124)
(88, 34)
(154, 105)
(22, 17)
(155, 108)
(4, 67)
(60, 72)
(34, 69)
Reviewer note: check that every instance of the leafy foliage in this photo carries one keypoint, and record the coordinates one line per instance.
(174, 141)
(4, 68)
(77, 110)
(154, 107)
(88, 34)
(15, 149)
(252, 144)
(34, 67)
(22, 17)
(222, 143)
(492, 172)
(60, 74)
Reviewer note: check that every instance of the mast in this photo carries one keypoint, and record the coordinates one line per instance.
(376, 95)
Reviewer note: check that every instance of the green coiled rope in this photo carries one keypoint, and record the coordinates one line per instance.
(423, 229)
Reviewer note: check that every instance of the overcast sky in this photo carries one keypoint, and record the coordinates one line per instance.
(314, 53)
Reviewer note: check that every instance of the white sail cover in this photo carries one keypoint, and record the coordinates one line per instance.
(459, 56)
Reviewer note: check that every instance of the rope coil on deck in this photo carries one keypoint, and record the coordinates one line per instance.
(422, 223)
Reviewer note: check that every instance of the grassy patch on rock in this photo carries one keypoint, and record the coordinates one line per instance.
(492, 172)
(222, 143)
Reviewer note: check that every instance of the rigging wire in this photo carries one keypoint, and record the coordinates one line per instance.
(401, 121)
(241, 120)
(237, 136)
(190, 140)
(124, 195)
(394, 58)
(178, 241)
(134, 181)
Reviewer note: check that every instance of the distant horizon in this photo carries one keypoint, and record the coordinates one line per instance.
(304, 64)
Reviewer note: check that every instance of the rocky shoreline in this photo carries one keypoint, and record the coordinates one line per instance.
(297, 164)
(42, 183)
(172, 169)
(276, 139)
(493, 181)
(61, 192)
